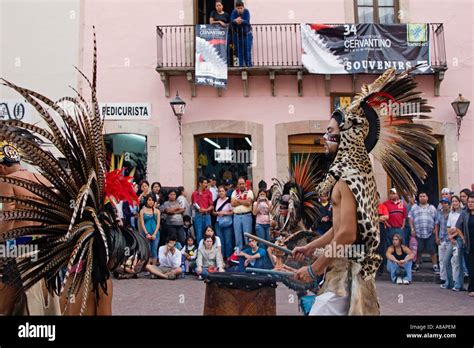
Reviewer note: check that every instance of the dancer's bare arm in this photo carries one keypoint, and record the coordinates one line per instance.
(300, 252)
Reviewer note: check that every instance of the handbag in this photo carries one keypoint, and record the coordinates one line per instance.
(226, 220)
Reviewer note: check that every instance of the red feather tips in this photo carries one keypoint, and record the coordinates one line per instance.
(119, 188)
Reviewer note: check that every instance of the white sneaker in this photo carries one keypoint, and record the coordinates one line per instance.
(406, 282)
(399, 280)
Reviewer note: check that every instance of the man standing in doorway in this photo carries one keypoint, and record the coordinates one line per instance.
(397, 214)
(202, 205)
(213, 186)
(423, 219)
(242, 199)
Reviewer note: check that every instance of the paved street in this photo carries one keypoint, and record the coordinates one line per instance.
(186, 297)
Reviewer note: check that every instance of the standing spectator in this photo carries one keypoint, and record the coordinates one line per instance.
(445, 193)
(144, 192)
(241, 201)
(188, 226)
(464, 195)
(150, 225)
(174, 218)
(202, 204)
(465, 228)
(219, 16)
(397, 214)
(411, 203)
(453, 256)
(423, 226)
(442, 238)
(183, 200)
(399, 261)
(156, 190)
(209, 259)
(224, 229)
(213, 186)
(382, 248)
(325, 218)
(130, 212)
(189, 253)
(170, 261)
(261, 209)
(229, 187)
(242, 33)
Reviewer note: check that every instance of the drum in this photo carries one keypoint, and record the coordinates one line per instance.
(239, 294)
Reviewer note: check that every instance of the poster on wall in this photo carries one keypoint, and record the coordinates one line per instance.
(211, 55)
(365, 48)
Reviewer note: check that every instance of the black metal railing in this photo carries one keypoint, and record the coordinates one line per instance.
(272, 45)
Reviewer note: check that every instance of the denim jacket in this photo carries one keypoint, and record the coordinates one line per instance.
(463, 225)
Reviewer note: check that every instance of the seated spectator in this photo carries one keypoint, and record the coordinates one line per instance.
(254, 257)
(189, 252)
(209, 259)
(169, 258)
(399, 261)
(150, 225)
(188, 226)
(209, 232)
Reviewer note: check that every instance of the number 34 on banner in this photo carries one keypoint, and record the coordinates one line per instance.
(349, 29)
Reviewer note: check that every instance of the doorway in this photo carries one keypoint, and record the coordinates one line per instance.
(134, 149)
(311, 145)
(225, 155)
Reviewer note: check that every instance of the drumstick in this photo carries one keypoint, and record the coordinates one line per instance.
(269, 271)
(273, 245)
(267, 243)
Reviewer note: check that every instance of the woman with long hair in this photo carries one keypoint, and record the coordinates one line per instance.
(149, 221)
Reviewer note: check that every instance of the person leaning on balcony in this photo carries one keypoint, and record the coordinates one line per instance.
(242, 33)
(219, 16)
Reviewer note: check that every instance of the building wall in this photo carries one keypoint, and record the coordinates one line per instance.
(126, 36)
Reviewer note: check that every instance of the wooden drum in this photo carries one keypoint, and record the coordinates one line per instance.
(239, 294)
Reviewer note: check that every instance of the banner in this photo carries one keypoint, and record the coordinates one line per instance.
(365, 48)
(211, 55)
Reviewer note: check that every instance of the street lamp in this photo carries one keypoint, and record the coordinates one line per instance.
(178, 105)
(460, 106)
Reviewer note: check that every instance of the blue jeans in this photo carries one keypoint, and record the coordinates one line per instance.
(392, 267)
(263, 231)
(226, 234)
(454, 273)
(391, 232)
(200, 223)
(242, 223)
(153, 245)
(243, 46)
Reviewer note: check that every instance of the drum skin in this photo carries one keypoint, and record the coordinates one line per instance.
(249, 297)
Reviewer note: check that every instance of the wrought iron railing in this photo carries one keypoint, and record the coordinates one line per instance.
(274, 45)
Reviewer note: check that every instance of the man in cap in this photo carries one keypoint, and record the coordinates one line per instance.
(397, 215)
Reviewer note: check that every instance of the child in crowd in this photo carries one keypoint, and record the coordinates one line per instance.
(189, 252)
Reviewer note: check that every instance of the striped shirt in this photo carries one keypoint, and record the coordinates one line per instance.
(424, 220)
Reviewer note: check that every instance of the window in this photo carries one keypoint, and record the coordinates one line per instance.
(376, 11)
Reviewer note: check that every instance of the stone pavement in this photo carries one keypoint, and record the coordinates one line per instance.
(186, 297)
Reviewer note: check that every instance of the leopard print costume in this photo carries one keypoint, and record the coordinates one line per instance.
(352, 165)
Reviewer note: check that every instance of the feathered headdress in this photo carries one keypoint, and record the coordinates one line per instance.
(79, 231)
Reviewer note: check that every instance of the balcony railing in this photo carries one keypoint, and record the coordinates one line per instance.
(274, 45)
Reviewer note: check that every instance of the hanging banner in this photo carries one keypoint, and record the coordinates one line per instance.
(211, 55)
(365, 48)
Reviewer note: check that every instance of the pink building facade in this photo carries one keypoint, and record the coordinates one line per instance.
(280, 109)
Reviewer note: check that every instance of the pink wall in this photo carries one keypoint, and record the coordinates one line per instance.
(126, 34)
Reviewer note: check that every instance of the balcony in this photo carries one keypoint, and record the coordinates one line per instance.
(276, 50)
